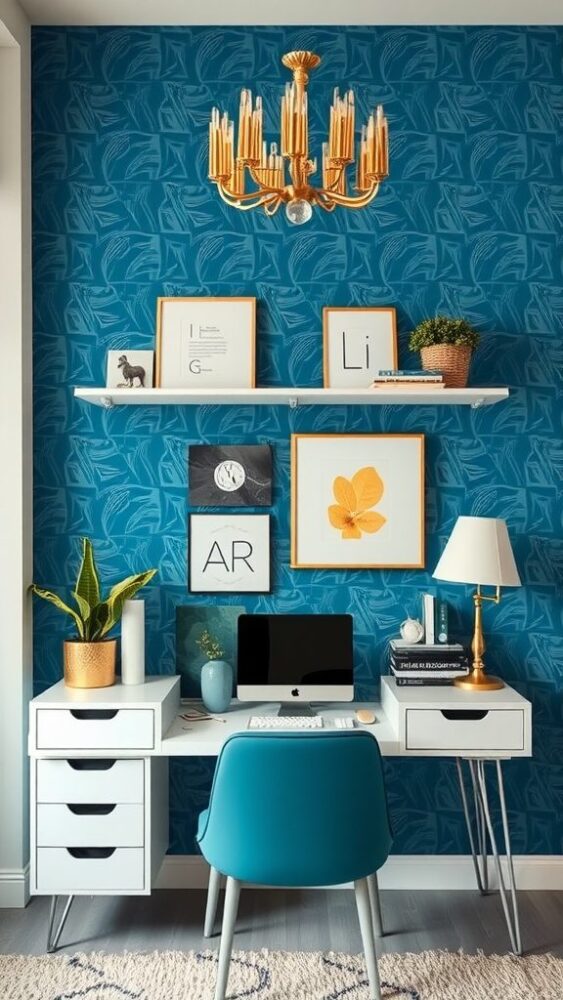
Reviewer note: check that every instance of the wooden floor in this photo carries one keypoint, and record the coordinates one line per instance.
(316, 920)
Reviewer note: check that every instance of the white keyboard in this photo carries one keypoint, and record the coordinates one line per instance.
(285, 722)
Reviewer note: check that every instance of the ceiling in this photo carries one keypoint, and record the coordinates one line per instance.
(360, 12)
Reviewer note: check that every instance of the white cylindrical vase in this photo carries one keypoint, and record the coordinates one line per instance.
(133, 642)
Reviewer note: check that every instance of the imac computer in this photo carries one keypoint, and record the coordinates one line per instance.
(295, 659)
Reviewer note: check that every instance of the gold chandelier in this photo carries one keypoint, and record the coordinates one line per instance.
(267, 170)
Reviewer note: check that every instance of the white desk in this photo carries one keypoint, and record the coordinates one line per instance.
(99, 783)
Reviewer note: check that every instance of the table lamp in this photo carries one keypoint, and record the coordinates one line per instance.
(479, 552)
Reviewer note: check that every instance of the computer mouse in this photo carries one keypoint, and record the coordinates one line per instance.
(365, 716)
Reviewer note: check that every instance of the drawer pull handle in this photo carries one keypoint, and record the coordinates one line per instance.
(464, 714)
(100, 764)
(94, 713)
(91, 852)
(97, 809)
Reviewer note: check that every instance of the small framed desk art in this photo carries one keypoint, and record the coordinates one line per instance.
(206, 343)
(358, 343)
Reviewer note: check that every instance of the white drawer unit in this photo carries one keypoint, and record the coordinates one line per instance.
(83, 779)
(451, 722)
(458, 729)
(95, 729)
(90, 825)
(62, 870)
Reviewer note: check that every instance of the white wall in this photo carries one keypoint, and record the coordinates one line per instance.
(15, 449)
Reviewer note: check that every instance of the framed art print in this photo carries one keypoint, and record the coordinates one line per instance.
(357, 344)
(229, 553)
(357, 501)
(230, 475)
(206, 343)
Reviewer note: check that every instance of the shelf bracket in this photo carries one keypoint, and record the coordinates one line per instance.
(293, 402)
(478, 403)
(107, 402)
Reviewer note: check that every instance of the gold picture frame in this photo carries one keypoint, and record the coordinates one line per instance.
(358, 378)
(206, 382)
(402, 521)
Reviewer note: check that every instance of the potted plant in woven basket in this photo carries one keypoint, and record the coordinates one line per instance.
(446, 345)
(89, 658)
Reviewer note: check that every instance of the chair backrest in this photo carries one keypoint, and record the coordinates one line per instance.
(297, 809)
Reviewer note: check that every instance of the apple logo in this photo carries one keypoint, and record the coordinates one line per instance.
(295, 692)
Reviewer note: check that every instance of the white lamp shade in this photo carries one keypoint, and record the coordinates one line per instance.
(479, 552)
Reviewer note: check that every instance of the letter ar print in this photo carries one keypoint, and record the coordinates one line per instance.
(240, 550)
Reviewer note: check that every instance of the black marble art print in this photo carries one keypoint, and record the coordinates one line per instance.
(230, 475)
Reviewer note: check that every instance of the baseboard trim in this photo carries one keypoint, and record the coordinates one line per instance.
(405, 871)
(14, 887)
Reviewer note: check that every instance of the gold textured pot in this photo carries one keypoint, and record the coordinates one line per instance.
(89, 664)
(453, 360)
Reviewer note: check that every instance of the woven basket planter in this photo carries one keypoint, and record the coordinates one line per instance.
(453, 360)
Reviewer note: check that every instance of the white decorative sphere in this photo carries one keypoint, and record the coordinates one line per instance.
(412, 630)
(298, 211)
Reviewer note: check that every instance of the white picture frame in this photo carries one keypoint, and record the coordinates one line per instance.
(124, 369)
(358, 343)
(357, 501)
(206, 342)
(229, 554)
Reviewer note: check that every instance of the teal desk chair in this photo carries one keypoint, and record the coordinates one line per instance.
(296, 809)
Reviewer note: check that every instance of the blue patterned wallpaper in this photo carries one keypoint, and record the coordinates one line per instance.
(470, 223)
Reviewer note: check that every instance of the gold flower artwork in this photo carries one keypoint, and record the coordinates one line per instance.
(351, 513)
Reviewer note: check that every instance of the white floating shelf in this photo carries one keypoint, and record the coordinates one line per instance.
(292, 396)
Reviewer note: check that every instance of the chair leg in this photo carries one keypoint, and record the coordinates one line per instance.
(232, 894)
(368, 939)
(375, 904)
(212, 900)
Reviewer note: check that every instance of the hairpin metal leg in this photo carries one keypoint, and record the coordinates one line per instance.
(53, 939)
(480, 876)
(481, 828)
(512, 919)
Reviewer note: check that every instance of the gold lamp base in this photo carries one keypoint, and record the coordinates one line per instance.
(478, 680)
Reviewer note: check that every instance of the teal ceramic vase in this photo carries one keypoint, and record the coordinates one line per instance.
(216, 685)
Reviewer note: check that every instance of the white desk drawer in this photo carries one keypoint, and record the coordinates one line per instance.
(90, 825)
(464, 729)
(90, 780)
(62, 870)
(95, 729)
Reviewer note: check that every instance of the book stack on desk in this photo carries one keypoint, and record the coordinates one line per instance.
(427, 665)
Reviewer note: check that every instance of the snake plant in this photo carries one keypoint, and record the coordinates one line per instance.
(93, 616)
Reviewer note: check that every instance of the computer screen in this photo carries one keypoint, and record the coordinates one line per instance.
(295, 658)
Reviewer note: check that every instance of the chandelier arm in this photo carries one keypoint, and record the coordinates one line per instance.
(349, 201)
(234, 201)
(325, 203)
(271, 207)
(332, 187)
(247, 195)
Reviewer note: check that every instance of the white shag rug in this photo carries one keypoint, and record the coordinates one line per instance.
(278, 975)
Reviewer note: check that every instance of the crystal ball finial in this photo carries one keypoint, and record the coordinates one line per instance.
(298, 211)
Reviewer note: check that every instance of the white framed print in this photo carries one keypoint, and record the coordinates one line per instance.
(206, 343)
(358, 343)
(129, 369)
(357, 501)
(229, 553)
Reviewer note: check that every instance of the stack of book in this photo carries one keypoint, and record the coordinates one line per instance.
(399, 378)
(427, 665)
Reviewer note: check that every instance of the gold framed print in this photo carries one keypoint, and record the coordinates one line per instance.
(206, 343)
(357, 501)
(358, 343)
